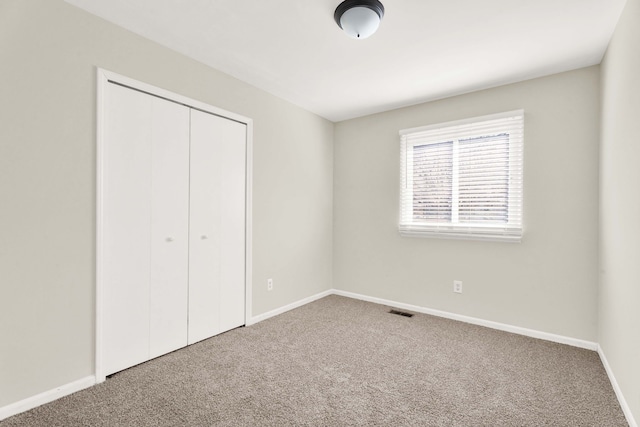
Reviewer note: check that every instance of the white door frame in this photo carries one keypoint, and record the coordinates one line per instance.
(103, 79)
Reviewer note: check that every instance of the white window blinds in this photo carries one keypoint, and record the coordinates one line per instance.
(463, 179)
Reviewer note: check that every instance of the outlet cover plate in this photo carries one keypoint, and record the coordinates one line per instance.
(457, 286)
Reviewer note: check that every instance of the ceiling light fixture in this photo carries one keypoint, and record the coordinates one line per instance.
(359, 18)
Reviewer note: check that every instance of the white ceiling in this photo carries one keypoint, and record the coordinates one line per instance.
(424, 49)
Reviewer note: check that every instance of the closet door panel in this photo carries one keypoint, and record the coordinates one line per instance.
(168, 290)
(217, 216)
(204, 255)
(127, 232)
(232, 151)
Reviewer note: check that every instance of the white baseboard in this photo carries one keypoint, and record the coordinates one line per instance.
(46, 397)
(300, 303)
(475, 321)
(614, 383)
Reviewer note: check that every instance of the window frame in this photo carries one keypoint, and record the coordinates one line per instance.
(455, 131)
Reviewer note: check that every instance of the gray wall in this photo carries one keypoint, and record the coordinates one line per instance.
(49, 52)
(620, 206)
(549, 281)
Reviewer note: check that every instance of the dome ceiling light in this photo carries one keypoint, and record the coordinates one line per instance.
(359, 18)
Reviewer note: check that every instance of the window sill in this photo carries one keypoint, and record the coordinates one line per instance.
(452, 235)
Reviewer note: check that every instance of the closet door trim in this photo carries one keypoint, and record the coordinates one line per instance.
(104, 78)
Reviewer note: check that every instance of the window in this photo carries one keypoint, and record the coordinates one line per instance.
(463, 179)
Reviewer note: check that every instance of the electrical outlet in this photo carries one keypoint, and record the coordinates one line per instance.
(269, 284)
(457, 286)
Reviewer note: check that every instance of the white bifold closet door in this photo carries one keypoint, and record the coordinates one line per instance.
(173, 203)
(146, 225)
(217, 225)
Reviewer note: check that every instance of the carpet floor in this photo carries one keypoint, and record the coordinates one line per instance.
(344, 362)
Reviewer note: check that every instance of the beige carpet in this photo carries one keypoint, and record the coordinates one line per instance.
(342, 362)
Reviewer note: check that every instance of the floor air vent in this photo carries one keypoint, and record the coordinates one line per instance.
(401, 313)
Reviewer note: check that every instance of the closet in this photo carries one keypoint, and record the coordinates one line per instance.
(171, 228)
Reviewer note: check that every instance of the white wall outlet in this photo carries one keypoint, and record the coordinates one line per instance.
(269, 284)
(457, 286)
